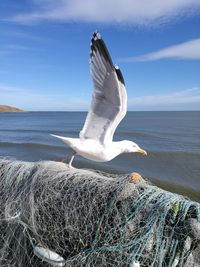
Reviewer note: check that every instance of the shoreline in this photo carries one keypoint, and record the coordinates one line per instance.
(6, 108)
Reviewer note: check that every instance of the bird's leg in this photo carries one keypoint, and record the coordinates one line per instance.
(71, 159)
(68, 157)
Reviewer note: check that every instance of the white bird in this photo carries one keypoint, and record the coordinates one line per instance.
(108, 108)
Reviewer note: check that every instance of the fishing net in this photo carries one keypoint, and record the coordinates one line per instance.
(53, 216)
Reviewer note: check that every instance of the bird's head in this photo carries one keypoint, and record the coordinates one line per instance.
(130, 147)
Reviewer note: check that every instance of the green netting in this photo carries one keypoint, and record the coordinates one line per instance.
(53, 216)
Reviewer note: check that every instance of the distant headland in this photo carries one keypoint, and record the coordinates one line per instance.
(5, 108)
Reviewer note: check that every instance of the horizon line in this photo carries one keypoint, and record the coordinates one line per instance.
(127, 110)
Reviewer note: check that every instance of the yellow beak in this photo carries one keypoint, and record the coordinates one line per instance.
(143, 152)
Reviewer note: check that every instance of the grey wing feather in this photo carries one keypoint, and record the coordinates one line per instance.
(109, 100)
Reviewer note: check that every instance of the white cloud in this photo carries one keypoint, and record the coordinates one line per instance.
(20, 34)
(188, 99)
(36, 100)
(141, 12)
(187, 50)
(9, 90)
(13, 48)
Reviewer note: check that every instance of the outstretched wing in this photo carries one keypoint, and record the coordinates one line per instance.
(109, 100)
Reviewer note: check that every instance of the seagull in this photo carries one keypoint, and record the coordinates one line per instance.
(108, 108)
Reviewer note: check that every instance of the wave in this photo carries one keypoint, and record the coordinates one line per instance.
(193, 193)
(163, 154)
(148, 135)
(48, 131)
(134, 134)
(31, 145)
(151, 153)
(176, 153)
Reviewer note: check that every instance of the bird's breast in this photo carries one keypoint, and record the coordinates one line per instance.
(93, 151)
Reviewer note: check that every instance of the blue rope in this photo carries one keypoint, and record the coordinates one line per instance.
(166, 247)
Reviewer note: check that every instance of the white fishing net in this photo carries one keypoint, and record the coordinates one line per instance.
(52, 216)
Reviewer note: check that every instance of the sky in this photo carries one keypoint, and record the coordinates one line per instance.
(44, 52)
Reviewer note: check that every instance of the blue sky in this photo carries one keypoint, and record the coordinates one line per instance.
(44, 52)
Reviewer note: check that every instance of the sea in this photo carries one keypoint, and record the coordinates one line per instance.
(171, 139)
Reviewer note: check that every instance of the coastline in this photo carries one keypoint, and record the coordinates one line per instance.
(6, 108)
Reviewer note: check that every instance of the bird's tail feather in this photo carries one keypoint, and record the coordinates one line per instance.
(66, 140)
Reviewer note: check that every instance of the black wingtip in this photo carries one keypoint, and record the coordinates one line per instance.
(97, 43)
(96, 35)
(119, 75)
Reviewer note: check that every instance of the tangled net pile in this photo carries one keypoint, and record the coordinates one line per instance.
(91, 218)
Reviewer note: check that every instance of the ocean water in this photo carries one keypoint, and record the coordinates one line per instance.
(172, 140)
